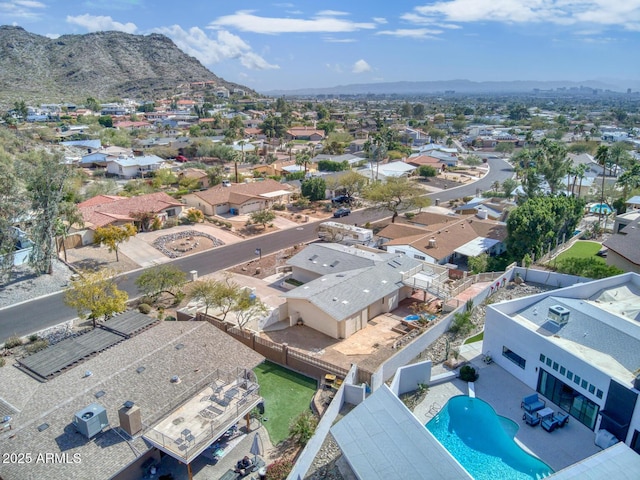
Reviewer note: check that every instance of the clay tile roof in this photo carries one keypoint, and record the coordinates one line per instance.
(239, 192)
(99, 213)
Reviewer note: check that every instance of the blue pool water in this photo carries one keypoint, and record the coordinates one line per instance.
(412, 318)
(475, 435)
(601, 208)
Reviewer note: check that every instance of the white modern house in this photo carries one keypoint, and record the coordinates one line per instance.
(579, 347)
(131, 167)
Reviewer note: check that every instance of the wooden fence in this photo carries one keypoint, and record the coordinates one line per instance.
(281, 354)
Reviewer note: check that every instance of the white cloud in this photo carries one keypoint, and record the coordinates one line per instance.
(334, 68)
(331, 13)
(339, 40)
(196, 43)
(411, 33)
(22, 9)
(97, 23)
(620, 13)
(380, 20)
(361, 67)
(245, 21)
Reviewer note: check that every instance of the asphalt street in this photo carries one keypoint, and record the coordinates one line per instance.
(41, 313)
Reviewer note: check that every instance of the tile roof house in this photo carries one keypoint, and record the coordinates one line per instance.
(305, 133)
(106, 210)
(239, 198)
(197, 174)
(347, 286)
(449, 242)
(140, 370)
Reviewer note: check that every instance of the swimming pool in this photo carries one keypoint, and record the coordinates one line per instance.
(475, 435)
(412, 318)
(601, 208)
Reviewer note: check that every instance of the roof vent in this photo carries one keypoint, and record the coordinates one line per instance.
(558, 315)
(432, 242)
(175, 379)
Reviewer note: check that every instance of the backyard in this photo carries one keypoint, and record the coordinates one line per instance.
(286, 395)
(582, 249)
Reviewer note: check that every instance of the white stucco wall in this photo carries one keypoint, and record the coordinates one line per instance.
(313, 317)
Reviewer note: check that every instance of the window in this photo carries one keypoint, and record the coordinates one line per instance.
(562, 370)
(514, 357)
(592, 389)
(555, 366)
(419, 257)
(576, 380)
(584, 384)
(569, 374)
(542, 357)
(548, 361)
(599, 393)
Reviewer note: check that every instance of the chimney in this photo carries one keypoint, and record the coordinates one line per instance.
(130, 418)
(432, 242)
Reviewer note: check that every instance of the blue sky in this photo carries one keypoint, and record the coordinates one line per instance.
(287, 45)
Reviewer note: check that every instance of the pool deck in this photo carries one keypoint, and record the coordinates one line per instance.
(558, 449)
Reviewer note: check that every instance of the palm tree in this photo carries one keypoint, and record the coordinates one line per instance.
(242, 143)
(581, 170)
(304, 159)
(630, 180)
(602, 156)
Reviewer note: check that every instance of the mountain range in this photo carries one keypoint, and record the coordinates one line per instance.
(102, 65)
(458, 86)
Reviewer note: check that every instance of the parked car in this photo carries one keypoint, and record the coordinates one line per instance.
(341, 212)
(342, 199)
(181, 158)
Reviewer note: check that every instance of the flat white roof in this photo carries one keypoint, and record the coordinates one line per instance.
(619, 462)
(476, 246)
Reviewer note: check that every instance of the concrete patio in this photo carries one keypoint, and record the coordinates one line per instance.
(558, 449)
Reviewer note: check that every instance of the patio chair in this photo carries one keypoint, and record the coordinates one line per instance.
(561, 418)
(549, 424)
(531, 419)
(532, 403)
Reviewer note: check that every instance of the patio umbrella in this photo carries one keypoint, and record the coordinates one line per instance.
(256, 447)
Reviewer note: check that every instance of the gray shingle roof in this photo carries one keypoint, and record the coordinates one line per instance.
(326, 258)
(343, 294)
(206, 349)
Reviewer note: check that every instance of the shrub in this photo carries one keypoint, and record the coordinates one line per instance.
(468, 374)
(170, 318)
(461, 323)
(37, 346)
(33, 337)
(12, 342)
(303, 427)
(144, 308)
(2, 362)
(280, 469)
(279, 206)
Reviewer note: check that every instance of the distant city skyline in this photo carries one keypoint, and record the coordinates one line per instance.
(293, 45)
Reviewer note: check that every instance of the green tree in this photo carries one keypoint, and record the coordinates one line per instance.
(427, 171)
(586, 267)
(45, 176)
(552, 162)
(96, 295)
(106, 121)
(303, 159)
(161, 279)
(21, 110)
(314, 188)
(112, 236)
(303, 427)
(194, 215)
(247, 308)
(262, 217)
(395, 194)
(508, 186)
(93, 105)
(540, 222)
(479, 264)
(505, 148)
(629, 180)
(204, 292)
(602, 157)
(69, 216)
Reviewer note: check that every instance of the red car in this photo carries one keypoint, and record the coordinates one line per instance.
(181, 158)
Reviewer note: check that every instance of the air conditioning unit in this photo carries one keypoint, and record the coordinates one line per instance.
(91, 420)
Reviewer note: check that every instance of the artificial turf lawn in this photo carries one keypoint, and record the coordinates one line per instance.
(286, 395)
(582, 249)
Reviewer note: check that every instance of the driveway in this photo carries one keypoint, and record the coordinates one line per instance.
(140, 248)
